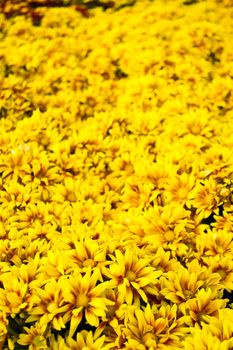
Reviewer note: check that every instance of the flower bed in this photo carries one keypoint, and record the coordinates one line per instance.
(116, 168)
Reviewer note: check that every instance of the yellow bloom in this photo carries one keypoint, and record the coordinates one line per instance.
(34, 337)
(221, 326)
(206, 198)
(163, 261)
(204, 305)
(166, 225)
(13, 295)
(156, 327)
(67, 192)
(57, 344)
(178, 190)
(202, 340)
(223, 222)
(183, 284)
(84, 296)
(137, 194)
(132, 275)
(224, 267)
(15, 165)
(86, 340)
(48, 306)
(214, 243)
(88, 252)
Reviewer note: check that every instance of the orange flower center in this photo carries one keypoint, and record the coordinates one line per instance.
(82, 300)
(52, 307)
(169, 236)
(222, 273)
(71, 197)
(182, 192)
(131, 276)
(89, 262)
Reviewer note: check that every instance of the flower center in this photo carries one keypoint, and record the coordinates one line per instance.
(182, 192)
(82, 300)
(131, 276)
(169, 236)
(89, 262)
(52, 307)
(222, 273)
(71, 197)
(38, 341)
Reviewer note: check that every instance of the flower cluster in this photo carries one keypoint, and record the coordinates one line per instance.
(116, 175)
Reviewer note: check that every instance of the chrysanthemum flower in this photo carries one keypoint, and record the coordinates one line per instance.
(179, 189)
(23, 219)
(223, 222)
(47, 305)
(205, 304)
(203, 340)
(156, 328)
(15, 164)
(214, 243)
(132, 275)
(163, 261)
(34, 337)
(88, 252)
(166, 225)
(206, 198)
(84, 296)
(221, 326)
(66, 192)
(224, 267)
(13, 295)
(137, 194)
(87, 340)
(183, 284)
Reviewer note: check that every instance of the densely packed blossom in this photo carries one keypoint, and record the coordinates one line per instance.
(116, 175)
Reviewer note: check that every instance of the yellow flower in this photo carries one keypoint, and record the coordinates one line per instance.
(156, 327)
(204, 305)
(16, 164)
(206, 198)
(34, 337)
(221, 326)
(57, 344)
(223, 222)
(202, 340)
(88, 252)
(224, 267)
(13, 295)
(32, 214)
(163, 261)
(179, 189)
(53, 265)
(166, 225)
(43, 171)
(183, 284)
(197, 123)
(137, 194)
(87, 340)
(84, 296)
(132, 275)
(17, 194)
(67, 192)
(214, 243)
(48, 306)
